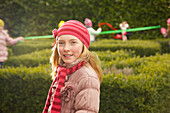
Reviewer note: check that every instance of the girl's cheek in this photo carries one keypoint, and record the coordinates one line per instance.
(76, 50)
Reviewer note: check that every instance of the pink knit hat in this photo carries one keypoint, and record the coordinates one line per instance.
(75, 28)
(163, 30)
(168, 21)
(88, 22)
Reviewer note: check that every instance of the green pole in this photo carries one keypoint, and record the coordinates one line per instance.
(130, 30)
(104, 32)
(35, 37)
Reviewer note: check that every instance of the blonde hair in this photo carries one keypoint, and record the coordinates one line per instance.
(88, 56)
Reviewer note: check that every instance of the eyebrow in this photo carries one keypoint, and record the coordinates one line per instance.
(69, 40)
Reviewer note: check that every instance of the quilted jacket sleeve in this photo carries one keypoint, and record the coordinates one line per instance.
(10, 40)
(88, 98)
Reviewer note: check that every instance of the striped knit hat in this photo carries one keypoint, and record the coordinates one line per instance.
(75, 28)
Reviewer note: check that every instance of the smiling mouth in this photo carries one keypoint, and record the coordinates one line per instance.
(67, 55)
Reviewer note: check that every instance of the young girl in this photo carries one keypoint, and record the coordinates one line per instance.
(75, 70)
(123, 26)
(89, 25)
(4, 39)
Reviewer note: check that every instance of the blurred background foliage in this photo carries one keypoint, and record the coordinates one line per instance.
(40, 17)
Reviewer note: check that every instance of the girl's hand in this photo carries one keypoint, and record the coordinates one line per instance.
(21, 38)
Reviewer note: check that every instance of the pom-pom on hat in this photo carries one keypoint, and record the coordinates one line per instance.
(88, 22)
(75, 28)
(168, 21)
(2, 23)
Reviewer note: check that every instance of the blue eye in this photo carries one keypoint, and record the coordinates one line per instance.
(61, 43)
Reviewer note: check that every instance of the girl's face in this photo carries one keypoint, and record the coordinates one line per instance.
(124, 24)
(69, 48)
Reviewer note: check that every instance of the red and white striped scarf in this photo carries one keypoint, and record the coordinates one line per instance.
(60, 78)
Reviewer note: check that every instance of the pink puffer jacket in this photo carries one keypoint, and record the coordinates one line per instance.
(81, 93)
(5, 39)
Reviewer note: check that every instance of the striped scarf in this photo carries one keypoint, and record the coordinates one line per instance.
(60, 78)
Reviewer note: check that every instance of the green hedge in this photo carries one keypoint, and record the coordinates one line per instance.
(43, 57)
(31, 59)
(146, 90)
(109, 55)
(165, 45)
(140, 47)
(136, 64)
(32, 45)
(24, 90)
(134, 94)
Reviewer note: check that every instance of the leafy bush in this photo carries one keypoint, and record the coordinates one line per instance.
(24, 90)
(109, 55)
(134, 94)
(136, 62)
(29, 46)
(31, 59)
(147, 90)
(165, 45)
(142, 48)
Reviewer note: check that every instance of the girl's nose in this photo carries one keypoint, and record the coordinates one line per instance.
(66, 47)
